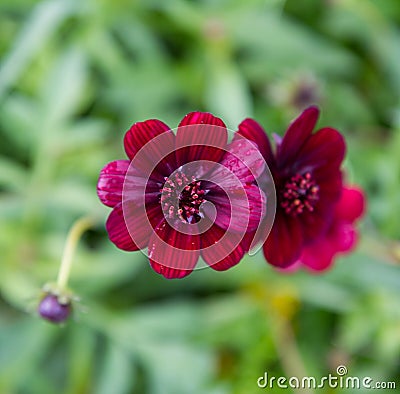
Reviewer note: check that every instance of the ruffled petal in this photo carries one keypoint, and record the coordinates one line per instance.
(255, 238)
(141, 221)
(243, 159)
(158, 142)
(249, 240)
(345, 237)
(111, 182)
(320, 219)
(315, 223)
(341, 236)
(296, 135)
(139, 188)
(141, 133)
(117, 230)
(172, 253)
(318, 256)
(285, 241)
(200, 136)
(253, 131)
(240, 210)
(330, 187)
(351, 205)
(325, 148)
(221, 250)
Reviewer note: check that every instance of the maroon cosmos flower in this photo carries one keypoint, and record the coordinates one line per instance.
(306, 170)
(51, 309)
(341, 236)
(184, 196)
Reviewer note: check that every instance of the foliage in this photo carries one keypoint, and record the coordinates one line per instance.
(74, 75)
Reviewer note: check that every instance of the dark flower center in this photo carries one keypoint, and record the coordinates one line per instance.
(300, 193)
(190, 197)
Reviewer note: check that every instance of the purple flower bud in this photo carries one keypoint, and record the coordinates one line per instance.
(51, 309)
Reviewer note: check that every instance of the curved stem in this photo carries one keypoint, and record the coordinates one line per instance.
(79, 227)
(289, 353)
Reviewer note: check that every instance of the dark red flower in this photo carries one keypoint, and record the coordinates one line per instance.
(183, 196)
(341, 236)
(306, 170)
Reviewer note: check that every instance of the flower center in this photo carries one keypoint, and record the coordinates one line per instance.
(300, 193)
(190, 197)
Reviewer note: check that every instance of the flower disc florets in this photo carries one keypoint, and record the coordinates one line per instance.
(190, 197)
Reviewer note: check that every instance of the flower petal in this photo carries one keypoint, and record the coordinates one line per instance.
(320, 219)
(240, 209)
(345, 237)
(351, 205)
(243, 159)
(316, 222)
(325, 148)
(111, 182)
(141, 221)
(141, 133)
(253, 131)
(296, 135)
(200, 136)
(139, 188)
(172, 253)
(119, 180)
(318, 256)
(285, 241)
(221, 250)
(340, 237)
(158, 142)
(330, 187)
(255, 238)
(117, 230)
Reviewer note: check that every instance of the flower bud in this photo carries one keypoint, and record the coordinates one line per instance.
(54, 310)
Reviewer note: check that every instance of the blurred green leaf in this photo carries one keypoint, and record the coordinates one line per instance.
(74, 76)
(22, 346)
(13, 177)
(227, 94)
(64, 88)
(117, 373)
(44, 21)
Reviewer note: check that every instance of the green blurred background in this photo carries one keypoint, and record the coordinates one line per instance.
(74, 75)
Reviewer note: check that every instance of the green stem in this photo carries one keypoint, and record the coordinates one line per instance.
(79, 227)
(288, 351)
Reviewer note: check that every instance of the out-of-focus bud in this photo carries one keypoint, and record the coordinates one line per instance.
(56, 301)
(54, 308)
(298, 91)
